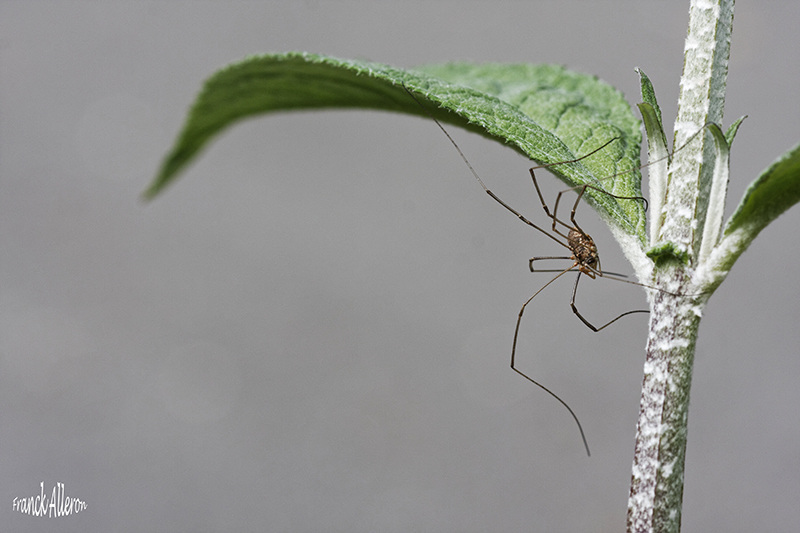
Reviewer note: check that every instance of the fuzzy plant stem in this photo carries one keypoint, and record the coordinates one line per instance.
(656, 492)
(657, 480)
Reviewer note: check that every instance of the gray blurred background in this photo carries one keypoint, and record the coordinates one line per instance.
(311, 330)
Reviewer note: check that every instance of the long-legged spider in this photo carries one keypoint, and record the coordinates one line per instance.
(583, 251)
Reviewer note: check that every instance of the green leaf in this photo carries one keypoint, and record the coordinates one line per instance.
(543, 111)
(775, 191)
(718, 192)
(657, 153)
(731, 133)
(649, 97)
(658, 160)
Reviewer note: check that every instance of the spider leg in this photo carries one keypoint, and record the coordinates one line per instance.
(515, 369)
(584, 320)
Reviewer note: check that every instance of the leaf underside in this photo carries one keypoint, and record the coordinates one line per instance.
(546, 112)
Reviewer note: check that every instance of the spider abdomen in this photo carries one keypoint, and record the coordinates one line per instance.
(583, 248)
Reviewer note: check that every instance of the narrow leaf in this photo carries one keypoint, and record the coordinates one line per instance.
(649, 97)
(658, 156)
(718, 193)
(731, 133)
